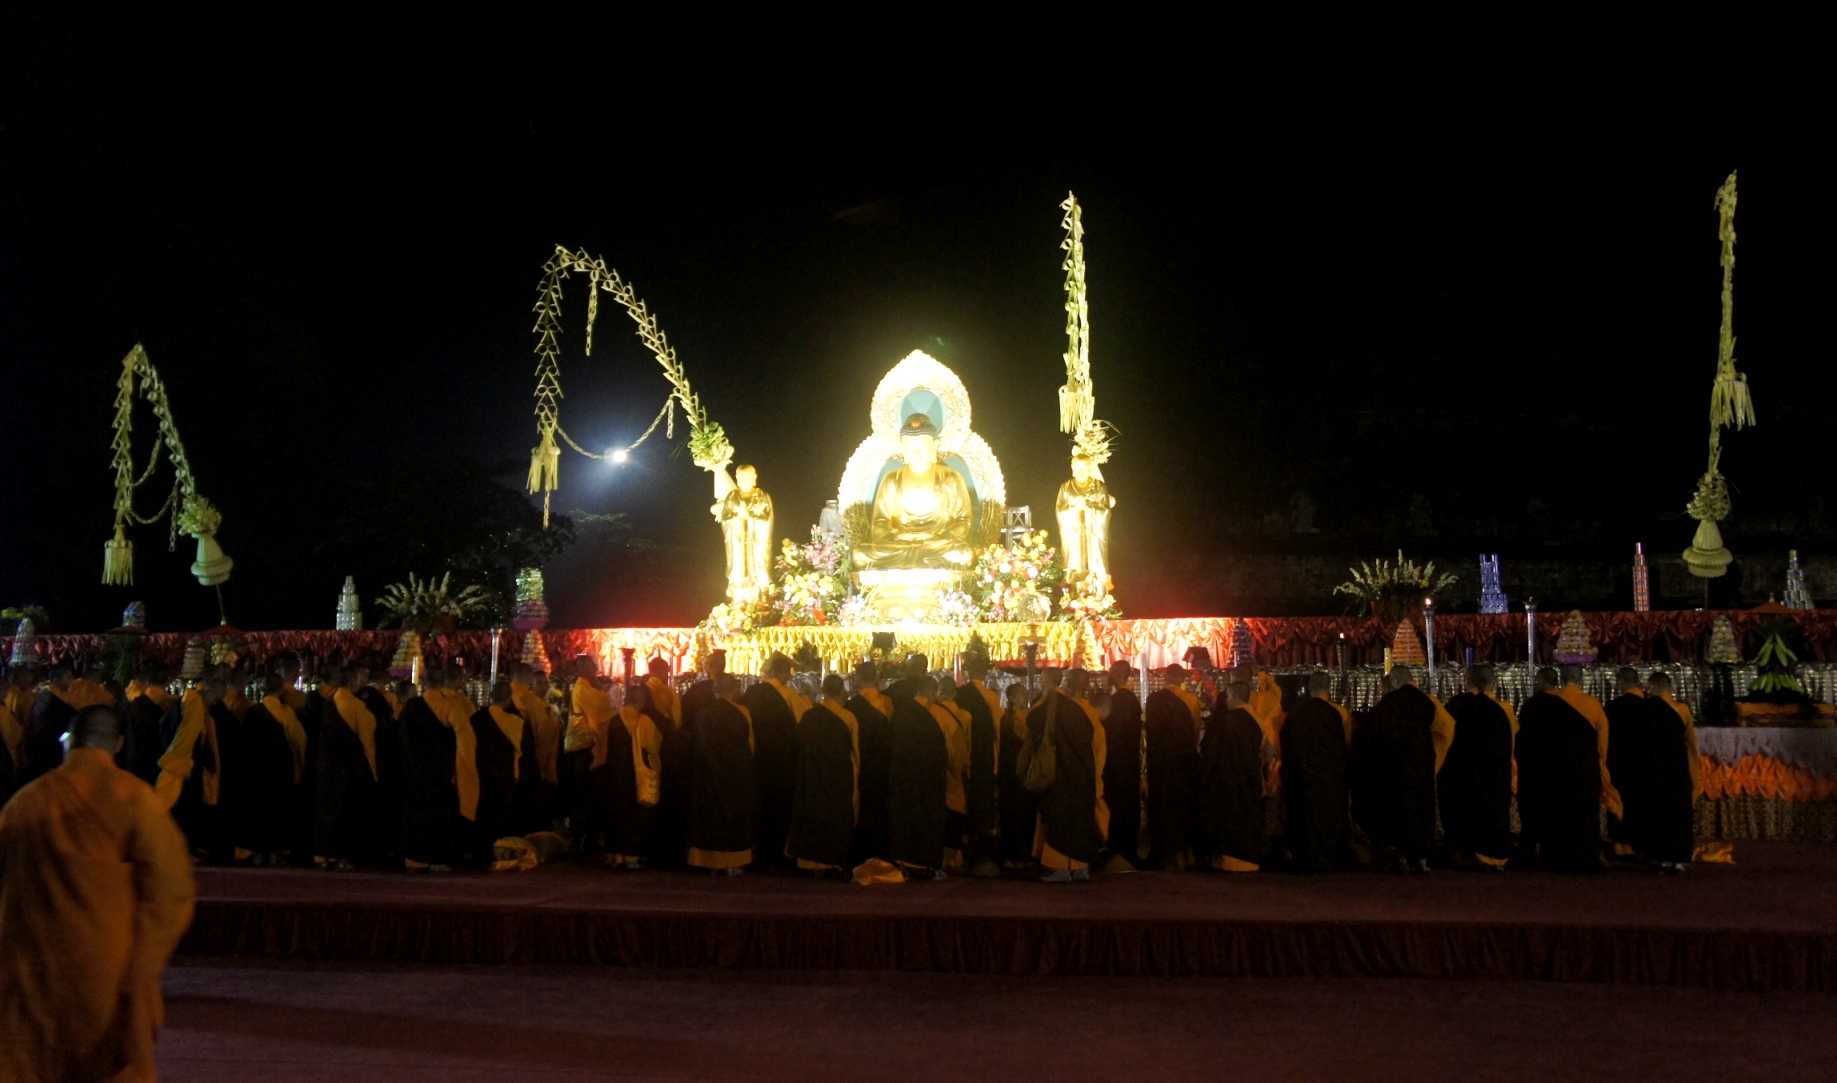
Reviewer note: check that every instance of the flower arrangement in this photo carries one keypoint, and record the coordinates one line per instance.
(424, 605)
(812, 580)
(958, 608)
(1003, 579)
(855, 610)
(729, 619)
(1074, 606)
(1392, 590)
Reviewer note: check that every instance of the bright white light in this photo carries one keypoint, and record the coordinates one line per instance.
(620, 455)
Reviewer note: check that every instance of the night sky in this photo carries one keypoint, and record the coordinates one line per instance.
(332, 264)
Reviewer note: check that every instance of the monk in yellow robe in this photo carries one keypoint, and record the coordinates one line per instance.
(95, 892)
(577, 747)
(627, 777)
(191, 769)
(90, 690)
(670, 823)
(41, 748)
(21, 692)
(593, 711)
(529, 695)
(12, 739)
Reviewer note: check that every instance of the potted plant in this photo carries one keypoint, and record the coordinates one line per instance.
(425, 606)
(1393, 590)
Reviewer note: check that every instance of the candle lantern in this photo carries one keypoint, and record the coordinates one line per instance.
(1530, 633)
(1428, 633)
(1642, 580)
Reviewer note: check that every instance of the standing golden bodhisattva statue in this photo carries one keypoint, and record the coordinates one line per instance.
(1084, 530)
(745, 514)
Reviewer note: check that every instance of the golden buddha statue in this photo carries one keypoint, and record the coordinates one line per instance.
(921, 516)
(1084, 529)
(745, 515)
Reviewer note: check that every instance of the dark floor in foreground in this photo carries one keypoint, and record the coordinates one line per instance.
(349, 1023)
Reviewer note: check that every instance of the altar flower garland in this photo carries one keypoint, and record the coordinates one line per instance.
(812, 581)
(957, 608)
(729, 619)
(1075, 606)
(1011, 583)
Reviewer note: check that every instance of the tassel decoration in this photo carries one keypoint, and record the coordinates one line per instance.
(118, 560)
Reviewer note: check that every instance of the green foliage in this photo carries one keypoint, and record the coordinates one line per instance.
(423, 604)
(11, 616)
(1395, 588)
(1775, 662)
(120, 657)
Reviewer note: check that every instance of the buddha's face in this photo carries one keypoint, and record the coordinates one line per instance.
(1081, 470)
(746, 479)
(921, 451)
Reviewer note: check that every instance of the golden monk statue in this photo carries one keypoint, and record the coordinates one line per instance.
(745, 514)
(1084, 530)
(921, 515)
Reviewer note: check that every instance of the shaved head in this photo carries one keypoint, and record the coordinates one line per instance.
(96, 726)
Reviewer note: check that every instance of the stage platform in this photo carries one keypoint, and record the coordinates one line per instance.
(1769, 922)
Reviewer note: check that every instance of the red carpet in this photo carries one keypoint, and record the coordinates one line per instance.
(1766, 923)
(242, 1021)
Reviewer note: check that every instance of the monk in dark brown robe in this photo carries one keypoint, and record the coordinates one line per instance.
(1122, 772)
(1404, 741)
(1313, 761)
(1665, 830)
(147, 703)
(504, 744)
(1474, 787)
(626, 778)
(1074, 821)
(266, 765)
(1018, 807)
(193, 767)
(873, 713)
(1629, 761)
(918, 812)
(1559, 781)
(724, 795)
(828, 763)
(1172, 729)
(775, 708)
(345, 791)
(982, 821)
(1230, 816)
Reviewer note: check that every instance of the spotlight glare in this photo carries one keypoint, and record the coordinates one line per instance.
(620, 455)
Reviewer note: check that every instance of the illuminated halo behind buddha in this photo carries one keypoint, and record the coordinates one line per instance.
(919, 493)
